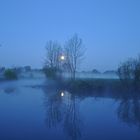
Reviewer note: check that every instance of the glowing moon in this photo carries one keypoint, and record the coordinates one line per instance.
(62, 57)
(62, 94)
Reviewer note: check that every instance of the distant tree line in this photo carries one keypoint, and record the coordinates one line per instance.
(13, 73)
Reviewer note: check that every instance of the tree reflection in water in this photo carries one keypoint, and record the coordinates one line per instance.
(62, 108)
(72, 119)
(129, 111)
(53, 104)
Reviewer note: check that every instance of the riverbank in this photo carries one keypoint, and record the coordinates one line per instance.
(113, 88)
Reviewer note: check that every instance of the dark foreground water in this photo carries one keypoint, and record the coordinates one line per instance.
(29, 112)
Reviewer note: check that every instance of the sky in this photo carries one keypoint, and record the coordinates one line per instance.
(110, 30)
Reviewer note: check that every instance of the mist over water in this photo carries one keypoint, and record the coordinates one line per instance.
(31, 110)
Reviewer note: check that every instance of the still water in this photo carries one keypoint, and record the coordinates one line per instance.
(30, 111)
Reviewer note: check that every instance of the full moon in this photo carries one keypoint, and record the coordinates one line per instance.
(62, 94)
(62, 57)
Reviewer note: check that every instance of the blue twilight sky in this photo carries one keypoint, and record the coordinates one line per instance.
(110, 30)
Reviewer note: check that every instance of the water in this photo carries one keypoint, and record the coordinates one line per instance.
(30, 111)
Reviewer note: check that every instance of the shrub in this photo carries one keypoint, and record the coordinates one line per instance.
(10, 74)
(51, 73)
(129, 71)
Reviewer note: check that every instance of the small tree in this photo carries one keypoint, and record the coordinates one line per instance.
(137, 70)
(10, 74)
(129, 71)
(125, 70)
(74, 53)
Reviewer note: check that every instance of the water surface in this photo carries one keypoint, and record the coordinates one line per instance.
(30, 111)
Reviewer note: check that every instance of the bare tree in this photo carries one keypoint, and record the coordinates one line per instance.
(74, 51)
(53, 50)
(52, 61)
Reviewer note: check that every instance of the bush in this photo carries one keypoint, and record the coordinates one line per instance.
(51, 73)
(129, 71)
(10, 74)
